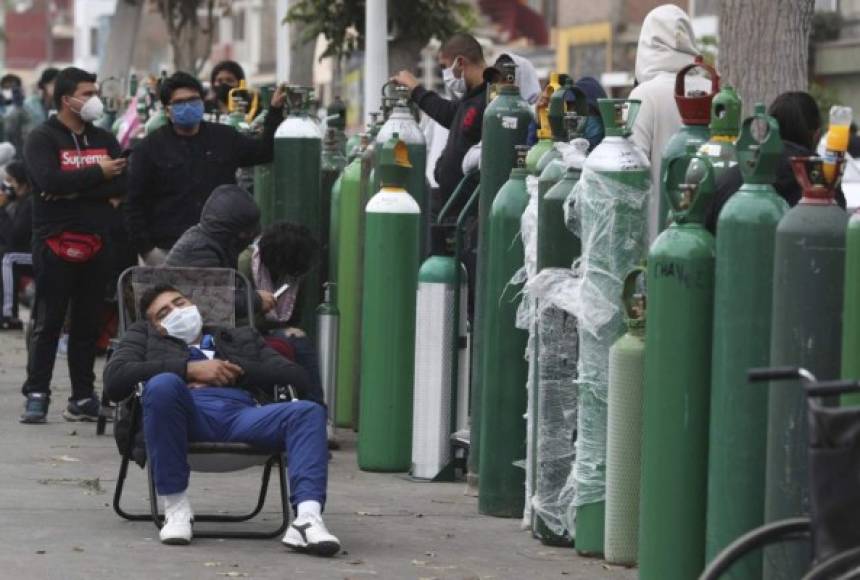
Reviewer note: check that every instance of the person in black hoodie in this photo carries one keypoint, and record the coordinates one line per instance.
(174, 169)
(462, 60)
(800, 129)
(16, 232)
(229, 221)
(79, 172)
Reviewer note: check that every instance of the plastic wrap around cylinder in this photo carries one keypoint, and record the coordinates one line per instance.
(433, 415)
(742, 321)
(555, 354)
(612, 198)
(623, 447)
(348, 240)
(505, 125)
(297, 198)
(501, 483)
(388, 331)
(806, 330)
(851, 309)
(677, 390)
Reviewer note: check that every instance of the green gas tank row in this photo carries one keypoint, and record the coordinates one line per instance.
(677, 379)
(851, 308)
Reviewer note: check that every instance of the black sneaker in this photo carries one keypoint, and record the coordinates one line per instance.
(86, 410)
(11, 324)
(36, 408)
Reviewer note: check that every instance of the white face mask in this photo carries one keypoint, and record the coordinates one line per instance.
(457, 86)
(7, 94)
(92, 109)
(183, 323)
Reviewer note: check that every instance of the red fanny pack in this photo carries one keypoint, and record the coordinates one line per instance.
(74, 246)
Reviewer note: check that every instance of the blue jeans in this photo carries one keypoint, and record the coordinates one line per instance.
(173, 415)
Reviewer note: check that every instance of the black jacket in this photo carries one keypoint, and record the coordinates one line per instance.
(143, 353)
(229, 220)
(64, 166)
(16, 227)
(785, 185)
(463, 119)
(171, 177)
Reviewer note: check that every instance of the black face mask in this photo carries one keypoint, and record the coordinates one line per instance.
(222, 92)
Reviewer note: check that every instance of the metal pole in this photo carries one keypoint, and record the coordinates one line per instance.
(375, 54)
(282, 42)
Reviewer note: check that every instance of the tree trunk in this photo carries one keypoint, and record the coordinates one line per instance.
(764, 47)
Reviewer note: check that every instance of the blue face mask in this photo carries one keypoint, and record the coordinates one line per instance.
(188, 114)
(593, 131)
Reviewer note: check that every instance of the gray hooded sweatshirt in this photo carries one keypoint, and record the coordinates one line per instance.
(666, 45)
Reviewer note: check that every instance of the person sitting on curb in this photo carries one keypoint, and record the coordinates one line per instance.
(199, 386)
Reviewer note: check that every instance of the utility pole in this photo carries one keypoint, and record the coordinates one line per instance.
(375, 54)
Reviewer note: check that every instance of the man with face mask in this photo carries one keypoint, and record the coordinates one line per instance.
(462, 60)
(174, 169)
(79, 172)
(204, 384)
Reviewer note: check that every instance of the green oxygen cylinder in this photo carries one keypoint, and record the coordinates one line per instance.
(401, 121)
(624, 431)
(742, 320)
(264, 186)
(388, 316)
(612, 198)
(677, 380)
(695, 110)
(851, 308)
(806, 329)
(554, 346)
(566, 125)
(501, 490)
(544, 132)
(506, 124)
(156, 121)
(331, 166)
(725, 126)
(297, 195)
(347, 240)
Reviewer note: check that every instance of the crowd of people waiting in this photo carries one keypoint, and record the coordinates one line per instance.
(76, 209)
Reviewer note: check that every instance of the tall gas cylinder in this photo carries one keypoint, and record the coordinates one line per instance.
(806, 328)
(348, 240)
(331, 165)
(505, 125)
(388, 316)
(297, 193)
(851, 308)
(554, 346)
(612, 206)
(568, 110)
(725, 126)
(264, 186)
(401, 121)
(624, 431)
(501, 483)
(440, 324)
(742, 320)
(677, 380)
(327, 328)
(695, 110)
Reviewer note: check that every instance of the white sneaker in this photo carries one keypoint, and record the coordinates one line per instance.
(310, 535)
(178, 520)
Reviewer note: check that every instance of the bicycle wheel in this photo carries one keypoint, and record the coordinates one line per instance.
(768, 535)
(843, 566)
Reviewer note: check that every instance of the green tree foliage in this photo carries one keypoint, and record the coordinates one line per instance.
(412, 23)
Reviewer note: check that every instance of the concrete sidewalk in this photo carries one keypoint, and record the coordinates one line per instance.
(57, 481)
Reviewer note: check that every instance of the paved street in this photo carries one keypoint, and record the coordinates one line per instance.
(57, 480)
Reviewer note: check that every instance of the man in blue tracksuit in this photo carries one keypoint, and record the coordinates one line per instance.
(204, 385)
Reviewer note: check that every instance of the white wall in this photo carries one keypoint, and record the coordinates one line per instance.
(89, 15)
